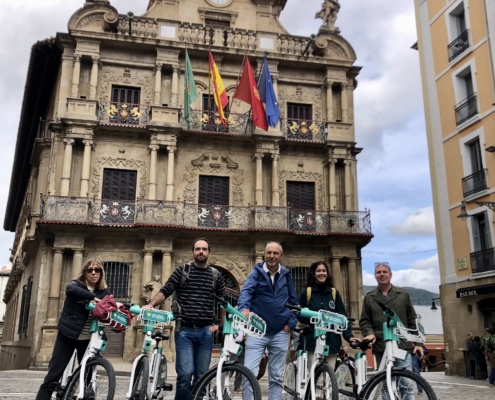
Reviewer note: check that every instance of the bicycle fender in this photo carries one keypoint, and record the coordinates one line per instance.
(205, 376)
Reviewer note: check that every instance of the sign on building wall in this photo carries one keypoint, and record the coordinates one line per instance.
(462, 263)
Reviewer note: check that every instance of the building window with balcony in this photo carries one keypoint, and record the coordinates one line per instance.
(300, 124)
(25, 305)
(125, 107)
(301, 200)
(458, 31)
(482, 259)
(118, 202)
(476, 181)
(467, 107)
(213, 202)
(211, 121)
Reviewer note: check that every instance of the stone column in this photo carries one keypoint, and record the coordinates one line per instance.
(332, 185)
(355, 203)
(147, 267)
(158, 84)
(54, 290)
(348, 186)
(93, 83)
(329, 101)
(169, 194)
(353, 289)
(166, 265)
(275, 188)
(76, 75)
(337, 274)
(65, 83)
(77, 263)
(152, 181)
(174, 101)
(259, 179)
(345, 103)
(67, 166)
(86, 168)
(275, 84)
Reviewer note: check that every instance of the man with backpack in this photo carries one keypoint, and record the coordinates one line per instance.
(490, 354)
(192, 286)
(266, 291)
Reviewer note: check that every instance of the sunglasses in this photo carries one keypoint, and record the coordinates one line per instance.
(382, 263)
(91, 270)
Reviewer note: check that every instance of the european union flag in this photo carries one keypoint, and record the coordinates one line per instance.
(268, 96)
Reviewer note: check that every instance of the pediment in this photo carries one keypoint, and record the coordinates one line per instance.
(94, 18)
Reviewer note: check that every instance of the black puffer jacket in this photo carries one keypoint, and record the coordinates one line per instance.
(75, 314)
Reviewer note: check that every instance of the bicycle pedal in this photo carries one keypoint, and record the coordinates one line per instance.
(168, 387)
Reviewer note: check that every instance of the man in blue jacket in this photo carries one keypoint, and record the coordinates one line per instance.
(267, 289)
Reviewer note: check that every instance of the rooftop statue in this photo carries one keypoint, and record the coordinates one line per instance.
(328, 13)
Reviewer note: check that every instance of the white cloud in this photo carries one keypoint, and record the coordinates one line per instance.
(419, 222)
(428, 263)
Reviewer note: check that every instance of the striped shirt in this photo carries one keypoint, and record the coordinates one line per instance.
(194, 299)
(85, 333)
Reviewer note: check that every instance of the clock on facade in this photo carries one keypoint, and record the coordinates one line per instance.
(219, 3)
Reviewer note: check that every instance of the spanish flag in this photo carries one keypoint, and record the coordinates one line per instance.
(219, 92)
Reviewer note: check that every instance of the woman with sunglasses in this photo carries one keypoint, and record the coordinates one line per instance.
(75, 322)
(320, 294)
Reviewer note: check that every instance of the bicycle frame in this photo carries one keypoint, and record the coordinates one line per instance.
(156, 319)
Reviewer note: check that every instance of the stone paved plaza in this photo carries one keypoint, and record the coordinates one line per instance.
(22, 385)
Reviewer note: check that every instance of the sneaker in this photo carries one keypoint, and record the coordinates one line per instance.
(420, 393)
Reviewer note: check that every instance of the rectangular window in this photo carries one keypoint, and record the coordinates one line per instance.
(299, 111)
(476, 181)
(213, 201)
(467, 107)
(119, 279)
(21, 314)
(301, 199)
(481, 232)
(25, 321)
(119, 184)
(475, 155)
(129, 95)
(216, 22)
(299, 277)
(459, 34)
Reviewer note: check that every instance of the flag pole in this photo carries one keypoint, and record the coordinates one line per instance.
(185, 47)
(210, 77)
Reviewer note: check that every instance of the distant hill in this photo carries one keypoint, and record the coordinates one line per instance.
(419, 297)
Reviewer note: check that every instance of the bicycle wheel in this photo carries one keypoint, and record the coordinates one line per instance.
(344, 373)
(404, 383)
(325, 384)
(99, 378)
(289, 382)
(140, 381)
(207, 387)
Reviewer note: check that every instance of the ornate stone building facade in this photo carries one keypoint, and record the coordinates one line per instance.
(122, 177)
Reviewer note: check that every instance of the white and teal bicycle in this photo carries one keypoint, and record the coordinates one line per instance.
(321, 383)
(94, 379)
(218, 382)
(390, 382)
(149, 376)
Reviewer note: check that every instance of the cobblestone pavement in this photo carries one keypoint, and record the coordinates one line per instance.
(22, 385)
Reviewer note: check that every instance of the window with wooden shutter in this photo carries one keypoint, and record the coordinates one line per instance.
(299, 111)
(119, 184)
(301, 199)
(213, 201)
(129, 95)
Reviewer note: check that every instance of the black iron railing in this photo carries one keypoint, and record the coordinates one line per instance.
(483, 261)
(459, 45)
(466, 109)
(474, 183)
(303, 129)
(209, 121)
(124, 113)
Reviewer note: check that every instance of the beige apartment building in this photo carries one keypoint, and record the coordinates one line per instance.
(456, 48)
(105, 166)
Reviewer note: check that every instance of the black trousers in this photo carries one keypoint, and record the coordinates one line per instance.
(62, 353)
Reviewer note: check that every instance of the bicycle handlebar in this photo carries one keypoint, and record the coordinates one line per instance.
(228, 307)
(293, 307)
(386, 309)
(363, 345)
(221, 300)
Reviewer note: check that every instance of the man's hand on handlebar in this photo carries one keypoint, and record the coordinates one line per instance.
(246, 313)
(418, 349)
(147, 306)
(354, 339)
(371, 338)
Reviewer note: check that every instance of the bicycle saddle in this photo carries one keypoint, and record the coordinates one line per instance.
(303, 329)
(160, 336)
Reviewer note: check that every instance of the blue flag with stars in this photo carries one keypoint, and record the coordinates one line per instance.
(267, 94)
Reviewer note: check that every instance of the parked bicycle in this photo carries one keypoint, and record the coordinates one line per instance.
(94, 378)
(321, 382)
(216, 383)
(389, 382)
(148, 377)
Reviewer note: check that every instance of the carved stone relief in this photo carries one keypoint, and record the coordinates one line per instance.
(228, 167)
(306, 176)
(109, 77)
(119, 162)
(299, 96)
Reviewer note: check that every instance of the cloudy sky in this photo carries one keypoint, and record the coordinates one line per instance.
(394, 180)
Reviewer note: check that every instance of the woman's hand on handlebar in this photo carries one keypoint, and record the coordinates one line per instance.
(95, 300)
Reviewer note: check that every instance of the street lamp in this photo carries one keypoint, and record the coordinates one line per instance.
(464, 215)
(434, 307)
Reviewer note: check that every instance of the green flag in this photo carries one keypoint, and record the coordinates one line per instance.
(190, 91)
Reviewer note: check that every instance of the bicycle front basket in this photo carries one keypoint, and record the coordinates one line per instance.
(254, 326)
(155, 318)
(330, 322)
(412, 335)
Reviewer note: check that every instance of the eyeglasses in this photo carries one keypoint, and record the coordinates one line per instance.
(382, 263)
(91, 270)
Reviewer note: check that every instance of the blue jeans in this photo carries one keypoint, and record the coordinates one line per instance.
(416, 365)
(277, 346)
(193, 348)
(405, 386)
(492, 376)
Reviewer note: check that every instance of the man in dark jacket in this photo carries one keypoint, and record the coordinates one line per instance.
(372, 318)
(267, 289)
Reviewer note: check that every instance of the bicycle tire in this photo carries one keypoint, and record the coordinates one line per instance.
(344, 373)
(206, 387)
(323, 391)
(73, 386)
(381, 378)
(140, 382)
